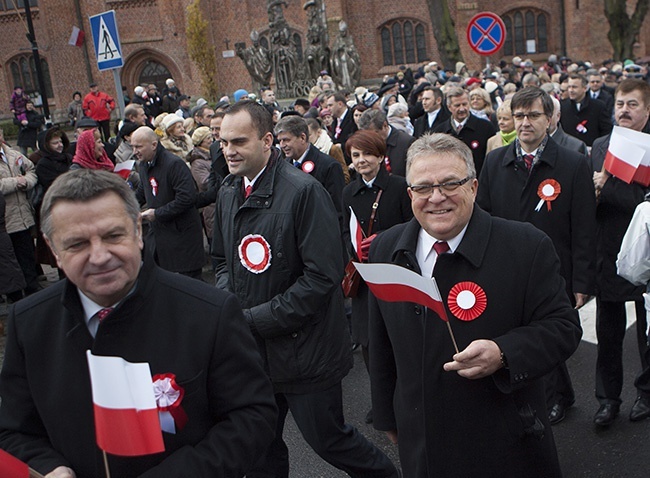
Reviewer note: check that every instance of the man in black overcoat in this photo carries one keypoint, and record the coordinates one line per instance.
(617, 201)
(480, 411)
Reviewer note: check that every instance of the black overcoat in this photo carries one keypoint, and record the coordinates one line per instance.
(507, 190)
(450, 426)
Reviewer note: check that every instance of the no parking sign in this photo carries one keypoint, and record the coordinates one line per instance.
(486, 33)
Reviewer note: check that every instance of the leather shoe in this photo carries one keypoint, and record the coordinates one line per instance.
(606, 414)
(557, 413)
(640, 409)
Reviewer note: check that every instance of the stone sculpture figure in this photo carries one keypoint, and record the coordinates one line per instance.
(257, 60)
(317, 52)
(346, 62)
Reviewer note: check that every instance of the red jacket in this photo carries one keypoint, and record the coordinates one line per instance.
(98, 106)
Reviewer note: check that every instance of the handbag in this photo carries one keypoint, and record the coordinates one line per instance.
(351, 277)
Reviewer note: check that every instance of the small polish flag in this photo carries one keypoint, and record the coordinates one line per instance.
(126, 414)
(124, 169)
(393, 283)
(628, 156)
(77, 37)
(356, 232)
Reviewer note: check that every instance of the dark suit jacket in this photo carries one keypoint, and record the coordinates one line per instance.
(529, 317)
(397, 145)
(607, 98)
(506, 190)
(177, 325)
(474, 134)
(421, 125)
(176, 234)
(616, 205)
(569, 142)
(348, 128)
(593, 116)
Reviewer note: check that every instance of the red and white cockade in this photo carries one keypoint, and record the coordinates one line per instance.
(169, 396)
(467, 301)
(255, 253)
(548, 191)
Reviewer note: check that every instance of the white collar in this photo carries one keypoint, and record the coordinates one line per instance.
(302, 157)
(248, 182)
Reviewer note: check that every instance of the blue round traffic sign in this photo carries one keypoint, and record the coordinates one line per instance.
(486, 33)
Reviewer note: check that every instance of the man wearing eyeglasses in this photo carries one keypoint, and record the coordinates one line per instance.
(505, 300)
(537, 181)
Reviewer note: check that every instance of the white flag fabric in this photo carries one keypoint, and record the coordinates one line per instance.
(393, 283)
(126, 414)
(628, 155)
(356, 233)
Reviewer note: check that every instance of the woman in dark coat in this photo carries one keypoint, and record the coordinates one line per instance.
(54, 161)
(367, 150)
(29, 129)
(12, 281)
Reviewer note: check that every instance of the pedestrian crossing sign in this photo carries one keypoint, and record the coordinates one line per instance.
(107, 41)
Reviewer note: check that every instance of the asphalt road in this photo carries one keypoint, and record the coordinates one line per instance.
(621, 451)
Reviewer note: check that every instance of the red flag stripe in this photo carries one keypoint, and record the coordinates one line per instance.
(404, 293)
(619, 168)
(642, 175)
(128, 432)
(12, 467)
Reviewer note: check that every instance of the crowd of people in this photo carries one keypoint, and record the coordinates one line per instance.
(492, 182)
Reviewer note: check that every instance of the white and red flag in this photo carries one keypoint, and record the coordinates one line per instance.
(12, 467)
(356, 234)
(628, 156)
(393, 283)
(77, 37)
(126, 414)
(124, 169)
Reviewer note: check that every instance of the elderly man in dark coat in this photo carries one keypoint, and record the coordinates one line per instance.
(168, 189)
(617, 201)
(480, 411)
(509, 189)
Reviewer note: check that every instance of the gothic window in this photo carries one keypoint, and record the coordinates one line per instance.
(524, 28)
(154, 72)
(403, 41)
(23, 73)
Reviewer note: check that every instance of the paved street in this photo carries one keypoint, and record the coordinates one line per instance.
(620, 452)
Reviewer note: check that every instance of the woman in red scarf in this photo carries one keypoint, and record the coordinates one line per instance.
(90, 152)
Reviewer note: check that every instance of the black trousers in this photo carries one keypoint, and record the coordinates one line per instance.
(105, 129)
(25, 251)
(319, 416)
(610, 330)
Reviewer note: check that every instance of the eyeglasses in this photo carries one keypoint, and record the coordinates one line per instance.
(424, 190)
(532, 116)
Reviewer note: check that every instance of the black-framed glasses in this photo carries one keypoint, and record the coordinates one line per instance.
(532, 116)
(423, 190)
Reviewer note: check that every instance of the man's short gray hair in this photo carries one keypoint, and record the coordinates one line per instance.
(372, 120)
(454, 92)
(294, 125)
(82, 185)
(440, 144)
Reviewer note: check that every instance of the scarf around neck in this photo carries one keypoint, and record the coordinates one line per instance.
(324, 142)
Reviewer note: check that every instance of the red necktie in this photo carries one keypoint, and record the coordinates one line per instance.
(528, 160)
(248, 190)
(101, 315)
(441, 247)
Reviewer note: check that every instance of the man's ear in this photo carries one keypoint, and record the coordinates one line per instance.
(54, 253)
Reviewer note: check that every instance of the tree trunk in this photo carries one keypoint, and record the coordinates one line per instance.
(444, 30)
(624, 30)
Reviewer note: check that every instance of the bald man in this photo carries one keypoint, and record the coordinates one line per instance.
(167, 188)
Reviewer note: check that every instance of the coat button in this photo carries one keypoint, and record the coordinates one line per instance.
(294, 335)
(279, 254)
(418, 310)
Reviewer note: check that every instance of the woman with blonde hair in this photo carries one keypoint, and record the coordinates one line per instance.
(507, 132)
(481, 104)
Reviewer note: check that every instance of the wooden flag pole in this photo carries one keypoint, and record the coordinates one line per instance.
(451, 333)
(108, 472)
(34, 474)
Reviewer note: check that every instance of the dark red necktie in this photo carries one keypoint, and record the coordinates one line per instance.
(441, 247)
(248, 190)
(528, 160)
(101, 315)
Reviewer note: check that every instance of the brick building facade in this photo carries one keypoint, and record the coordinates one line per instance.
(387, 33)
